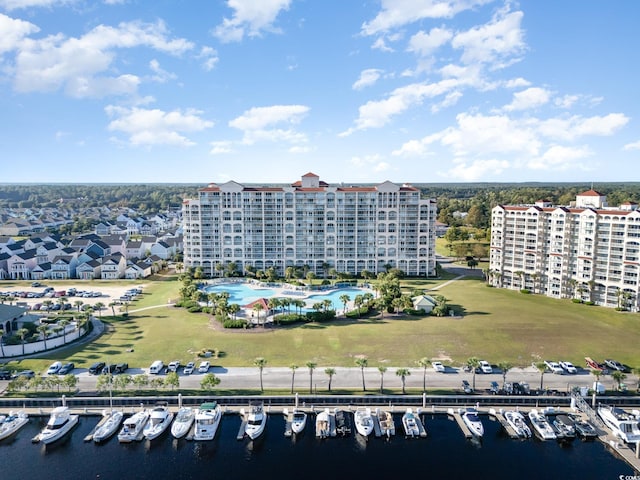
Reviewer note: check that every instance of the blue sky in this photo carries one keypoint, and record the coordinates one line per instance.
(262, 91)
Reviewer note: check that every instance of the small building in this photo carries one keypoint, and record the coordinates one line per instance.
(424, 302)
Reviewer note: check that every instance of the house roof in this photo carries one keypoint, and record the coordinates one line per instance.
(10, 312)
(591, 193)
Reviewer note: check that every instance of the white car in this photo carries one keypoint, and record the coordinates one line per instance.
(53, 369)
(485, 367)
(204, 367)
(568, 367)
(173, 366)
(188, 369)
(437, 366)
(554, 367)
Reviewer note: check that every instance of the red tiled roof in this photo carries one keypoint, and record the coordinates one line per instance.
(591, 193)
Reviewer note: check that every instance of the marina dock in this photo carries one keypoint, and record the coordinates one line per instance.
(288, 415)
(458, 419)
(422, 432)
(102, 421)
(499, 416)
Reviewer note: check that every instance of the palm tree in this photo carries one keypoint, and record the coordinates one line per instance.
(542, 368)
(22, 333)
(44, 331)
(257, 307)
(113, 308)
(382, 371)
(618, 377)
(330, 372)
(63, 324)
(362, 362)
(424, 362)
(596, 373)
(99, 306)
(504, 367)
(260, 362)
(473, 363)
(403, 373)
(636, 372)
(79, 303)
(293, 368)
(311, 366)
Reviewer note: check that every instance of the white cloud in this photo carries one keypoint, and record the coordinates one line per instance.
(258, 123)
(449, 100)
(250, 18)
(426, 44)
(21, 4)
(632, 146)
(299, 149)
(566, 101)
(569, 129)
(396, 13)
(13, 31)
(559, 157)
(381, 44)
(477, 169)
(161, 75)
(148, 127)
(367, 78)
(530, 98)
(517, 83)
(221, 147)
(209, 57)
(370, 162)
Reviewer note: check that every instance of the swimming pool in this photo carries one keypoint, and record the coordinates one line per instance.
(335, 295)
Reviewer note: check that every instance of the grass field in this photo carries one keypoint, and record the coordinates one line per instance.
(497, 325)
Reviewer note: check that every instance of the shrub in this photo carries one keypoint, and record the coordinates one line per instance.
(321, 316)
(525, 290)
(231, 323)
(576, 300)
(589, 303)
(194, 309)
(411, 311)
(289, 318)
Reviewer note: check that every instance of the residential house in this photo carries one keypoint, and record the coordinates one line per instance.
(41, 271)
(4, 269)
(21, 264)
(162, 250)
(117, 243)
(89, 270)
(99, 247)
(138, 270)
(63, 267)
(113, 267)
(424, 302)
(134, 249)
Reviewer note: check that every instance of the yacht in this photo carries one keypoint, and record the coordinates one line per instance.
(325, 424)
(516, 420)
(410, 424)
(584, 428)
(10, 424)
(206, 422)
(541, 425)
(133, 428)
(109, 425)
(299, 421)
(564, 427)
(387, 425)
(472, 421)
(183, 422)
(363, 420)
(623, 424)
(256, 420)
(60, 422)
(343, 422)
(159, 420)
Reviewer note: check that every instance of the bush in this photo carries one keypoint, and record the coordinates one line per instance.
(589, 303)
(231, 323)
(576, 300)
(357, 314)
(525, 290)
(289, 318)
(411, 311)
(321, 316)
(194, 309)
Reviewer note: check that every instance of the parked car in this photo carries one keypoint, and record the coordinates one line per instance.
(66, 368)
(173, 366)
(204, 367)
(54, 368)
(613, 365)
(25, 373)
(111, 368)
(188, 369)
(494, 388)
(5, 375)
(36, 284)
(96, 368)
(554, 367)
(485, 367)
(121, 368)
(437, 366)
(568, 367)
(466, 388)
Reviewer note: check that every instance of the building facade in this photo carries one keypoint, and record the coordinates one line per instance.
(587, 250)
(310, 224)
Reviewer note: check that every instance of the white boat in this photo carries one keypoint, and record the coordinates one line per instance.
(206, 422)
(183, 422)
(472, 421)
(10, 424)
(385, 420)
(133, 427)
(516, 420)
(256, 420)
(299, 421)
(110, 423)
(541, 425)
(622, 424)
(159, 420)
(410, 424)
(60, 422)
(363, 421)
(325, 424)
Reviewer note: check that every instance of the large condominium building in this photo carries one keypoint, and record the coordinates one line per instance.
(310, 224)
(588, 250)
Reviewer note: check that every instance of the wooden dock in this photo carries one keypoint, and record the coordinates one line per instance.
(243, 425)
(499, 416)
(458, 419)
(422, 432)
(288, 421)
(102, 421)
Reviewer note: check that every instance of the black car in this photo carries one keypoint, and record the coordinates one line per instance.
(96, 368)
(111, 368)
(5, 375)
(66, 368)
(121, 368)
(466, 388)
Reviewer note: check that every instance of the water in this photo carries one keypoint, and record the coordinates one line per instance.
(241, 293)
(444, 454)
(335, 296)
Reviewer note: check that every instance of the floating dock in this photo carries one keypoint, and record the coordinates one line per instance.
(243, 425)
(288, 421)
(458, 418)
(89, 437)
(422, 432)
(499, 416)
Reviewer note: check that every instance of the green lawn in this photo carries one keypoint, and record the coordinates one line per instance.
(497, 325)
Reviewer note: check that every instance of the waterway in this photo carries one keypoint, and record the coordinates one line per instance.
(444, 454)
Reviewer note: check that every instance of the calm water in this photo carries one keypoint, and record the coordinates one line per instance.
(444, 454)
(241, 293)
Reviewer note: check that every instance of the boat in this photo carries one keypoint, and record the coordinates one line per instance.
(133, 427)
(410, 424)
(343, 422)
(183, 422)
(160, 418)
(10, 424)
(472, 421)
(60, 422)
(110, 423)
(564, 427)
(387, 425)
(584, 429)
(206, 422)
(516, 420)
(623, 424)
(325, 424)
(299, 421)
(256, 420)
(541, 425)
(363, 421)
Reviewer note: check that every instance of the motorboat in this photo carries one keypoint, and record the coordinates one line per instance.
(343, 422)
(256, 420)
(622, 424)
(517, 421)
(299, 421)
(325, 424)
(410, 423)
(541, 425)
(584, 428)
(363, 421)
(183, 422)
(60, 422)
(564, 427)
(160, 418)
(109, 425)
(10, 424)
(133, 427)
(206, 422)
(472, 421)
(385, 420)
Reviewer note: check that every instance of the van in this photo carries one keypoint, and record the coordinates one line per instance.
(156, 367)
